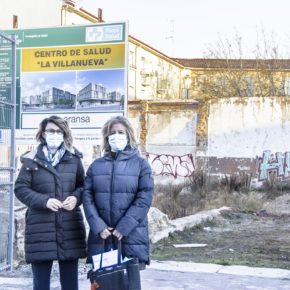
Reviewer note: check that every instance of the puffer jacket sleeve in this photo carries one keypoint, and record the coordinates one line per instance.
(25, 194)
(78, 192)
(138, 211)
(96, 223)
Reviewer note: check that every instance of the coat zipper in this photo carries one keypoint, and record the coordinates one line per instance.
(111, 191)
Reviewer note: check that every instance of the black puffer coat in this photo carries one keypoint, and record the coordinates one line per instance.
(51, 235)
(118, 193)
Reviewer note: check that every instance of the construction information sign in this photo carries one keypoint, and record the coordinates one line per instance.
(76, 72)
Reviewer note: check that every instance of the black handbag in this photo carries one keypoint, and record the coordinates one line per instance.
(110, 278)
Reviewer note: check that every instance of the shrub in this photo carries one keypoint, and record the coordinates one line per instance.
(165, 199)
(199, 193)
(167, 205)
(275, 186)
(236, 182)
(198, 182)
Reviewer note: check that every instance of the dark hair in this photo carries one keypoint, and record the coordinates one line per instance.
(60, 123)
(107, 130)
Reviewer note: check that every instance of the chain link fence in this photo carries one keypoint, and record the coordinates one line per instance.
(7, 148)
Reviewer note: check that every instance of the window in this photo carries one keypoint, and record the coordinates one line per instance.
(287, 86)
(185, 93)
(162, 84)
(132, 62)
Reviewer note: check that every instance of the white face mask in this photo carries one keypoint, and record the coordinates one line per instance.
(54, 141)
(118, 142)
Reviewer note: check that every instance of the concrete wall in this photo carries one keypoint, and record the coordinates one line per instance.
(167, 136)
(241, 130)
(246, 128)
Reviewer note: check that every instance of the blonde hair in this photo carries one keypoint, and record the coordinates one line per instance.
(107, 130)
(61, 124)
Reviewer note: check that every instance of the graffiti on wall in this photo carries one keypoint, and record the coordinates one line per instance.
(270, 162)
(171, 165)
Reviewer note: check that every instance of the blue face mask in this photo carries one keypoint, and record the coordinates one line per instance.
(118, 142)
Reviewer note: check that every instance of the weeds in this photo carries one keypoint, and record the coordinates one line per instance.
(165, 199)
(168, 206)
(200, 193)
(236, 182)
(198, 182)
(274, 186)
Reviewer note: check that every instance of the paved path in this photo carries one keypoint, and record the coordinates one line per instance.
(187, 276)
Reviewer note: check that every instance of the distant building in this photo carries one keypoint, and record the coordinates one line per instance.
(35, 100)
(57, 98)
(91, 95)
(115, 96)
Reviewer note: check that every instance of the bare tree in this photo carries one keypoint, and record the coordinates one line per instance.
(229, 74)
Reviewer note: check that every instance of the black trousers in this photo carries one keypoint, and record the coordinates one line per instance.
(133, 272)
(68, 271)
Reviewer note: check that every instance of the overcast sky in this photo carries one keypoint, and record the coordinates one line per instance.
(185, 28)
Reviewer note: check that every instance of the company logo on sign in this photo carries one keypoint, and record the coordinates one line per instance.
(104, 33)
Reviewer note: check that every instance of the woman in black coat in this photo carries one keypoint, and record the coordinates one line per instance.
(50, 184)
(117, 197)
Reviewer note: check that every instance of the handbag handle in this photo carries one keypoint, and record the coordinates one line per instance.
(119, 251)
(119, 248)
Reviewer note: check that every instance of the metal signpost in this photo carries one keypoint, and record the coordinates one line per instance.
(7, 147)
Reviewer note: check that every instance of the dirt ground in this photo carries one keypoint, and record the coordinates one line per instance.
(252, 239)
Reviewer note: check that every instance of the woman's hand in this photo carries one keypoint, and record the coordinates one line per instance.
(70, 203)
(117, 234)
(54, 204)
(106, 233)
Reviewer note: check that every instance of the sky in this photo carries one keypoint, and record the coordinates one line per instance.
(187, 28)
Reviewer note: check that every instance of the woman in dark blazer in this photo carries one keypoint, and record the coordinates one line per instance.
(117, 197)
(50, 184)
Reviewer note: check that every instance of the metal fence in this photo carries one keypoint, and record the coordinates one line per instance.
(7, 147)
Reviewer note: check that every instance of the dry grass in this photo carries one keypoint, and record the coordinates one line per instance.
(247, 202)
(239, 182)
(199, 193)
(165, 199)
(275, 186)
